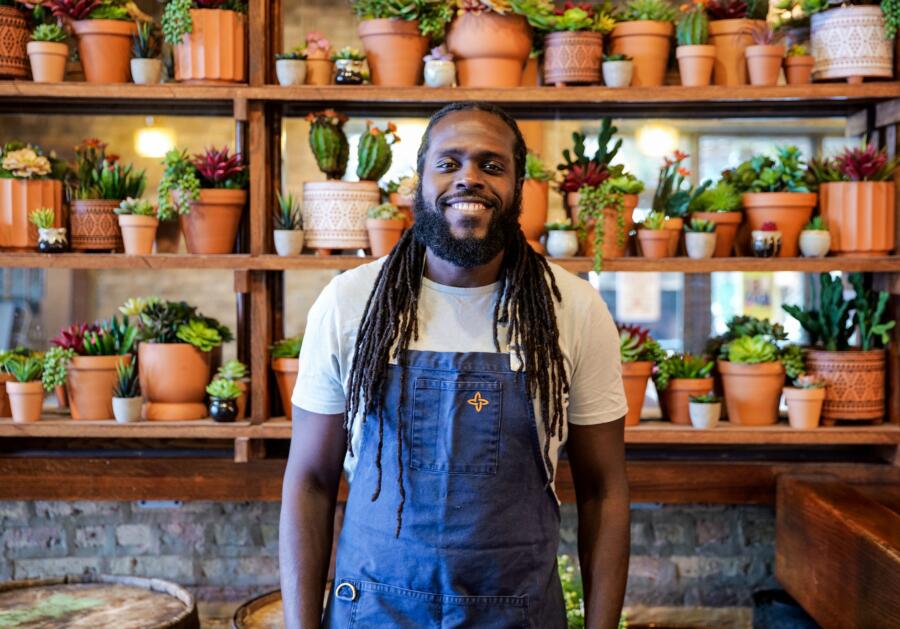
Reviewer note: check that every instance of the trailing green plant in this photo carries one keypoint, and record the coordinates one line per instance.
(706, 398)
(636, 344)
(287, 214)
(891, 11)
(581, 17)
(764, 174)
(791, 356)
(56, 367)
(699, 225)
(816, 224)
(128, 384)
(869, 311)
(809, 382)
(49, 33)
(223, 389)
(678, 366)
(110, 338)
(176, 17)
(579, 170)
(42, 218)
(573, 594)
(432, 15)
(656, 10)
(178, 186)
(672, 198)
(329, 142)
(386, 212)
(616, 57)
(24, 368)
(693, 27)
(374, 151)
(564, 225)
(654, 221)
(161, 321)
(146, 42)
(287, 347)
(348, 53)
(723, 197)
(232, 370)
(593, 201)
(136, 207)
(535, 168)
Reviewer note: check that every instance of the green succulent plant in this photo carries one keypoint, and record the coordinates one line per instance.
(223, 389)
(654, 221)
(700, 225)
(329, 142)
(112, 338)
(24, 368)
(287, 347)
(656, 10)
(748, 350)
(42, 218)
(374, 151)
(287, 214)
(681, 366)
(49, 33)
(199, 334)
(56, 363)
(693, 27)
(232, 370)
(535, 168)
(386, 212)
(723, 197)
(763, 174)
(706, 398)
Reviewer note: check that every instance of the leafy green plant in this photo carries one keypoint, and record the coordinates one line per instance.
(24, 368)
(287, 214)
(748, 350)
(56, 363)
(432, 15)
(128, 384)
(329, 142)
(764, 174)
(579, 170)
(199, 334)
(287, 347)
(706, 398)
(110, 338)
(564, 225)
(42, 218)
(146, 42)
(654, 221)
(178, 186)
(672, 197)
(656, 10)
(791, 356)
(137, 207)
(816, 224)
(232, 370)
(223, 389)
(616, 57)
(636, 344)
(828, 323)
(723, 197)
(160, 321)
(386, 212)
(101, 177)
(49, 33)
(535, 168)
(700, 225)
(693, 27)
(581, 17)
(891, 11)
(742, 325)
(678, 366)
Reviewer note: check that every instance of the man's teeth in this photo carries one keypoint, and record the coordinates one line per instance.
(469, 207)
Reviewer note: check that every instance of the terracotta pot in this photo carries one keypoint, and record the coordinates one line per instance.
(90, 382)
(727, 224)
(849, 43)
(731, 38)
(173, 380)
(26, 400)
(611, 246)
(138, 233)
(14, 36)
(705, 415)
(394, 50)
(383, 235)
(18, 198)
(4, 398)
(335, 212)
(804, 407)
(242, 400)
(647, 43)
(634, 377)
(214, 51)
(319, 72)
(695, 64)
(490, 49)
(860, 216)
(752, 392)
(95, 225)
(535, 199)
(530, 75)
(654, 242)
(855, 383)
(212, 224)
(798, 70)
(618, 73)
(764, 64)
(62, 396)
(675, 227)
(286, 375)
(675, 398)
(790, 211)
(572, 57)
(48, 61)
(104, 47)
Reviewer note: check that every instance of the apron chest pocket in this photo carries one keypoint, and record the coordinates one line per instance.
(456, 426)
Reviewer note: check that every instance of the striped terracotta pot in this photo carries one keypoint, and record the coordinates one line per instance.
(18, 198)
(860, 216)
(215, 51)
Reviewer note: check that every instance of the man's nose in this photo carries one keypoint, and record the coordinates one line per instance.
(468, 176)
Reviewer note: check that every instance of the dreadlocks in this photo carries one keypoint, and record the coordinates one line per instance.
(524, 305)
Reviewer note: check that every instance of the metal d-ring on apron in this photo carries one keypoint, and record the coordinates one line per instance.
(480, 526)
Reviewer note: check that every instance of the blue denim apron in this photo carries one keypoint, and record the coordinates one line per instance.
(480, 524)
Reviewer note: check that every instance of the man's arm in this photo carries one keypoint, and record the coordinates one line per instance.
(308, 498)
(597, 458)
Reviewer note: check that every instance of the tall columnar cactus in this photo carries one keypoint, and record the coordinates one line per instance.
(693, 27)
(329, 142)
(375, 151)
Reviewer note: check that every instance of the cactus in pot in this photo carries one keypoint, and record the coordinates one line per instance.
(329, 142)
(375, 151)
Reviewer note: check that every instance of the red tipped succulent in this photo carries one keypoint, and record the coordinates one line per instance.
(579, 176)
(769, 226)
(726, 9)
(72, 337)
(865, 164)
(73, 9)
(218, 169)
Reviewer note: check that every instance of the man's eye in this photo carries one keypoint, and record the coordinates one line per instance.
(446, 164)
(493, 167)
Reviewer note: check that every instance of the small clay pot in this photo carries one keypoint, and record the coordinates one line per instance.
(223, 410)
(654, 242)
(26, 400)
(804, 407)
(138, 233)
(319, 72)
(798, 70)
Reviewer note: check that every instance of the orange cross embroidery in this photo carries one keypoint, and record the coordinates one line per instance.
(478, 402)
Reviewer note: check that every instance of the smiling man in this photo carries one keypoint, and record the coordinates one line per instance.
(444, 379)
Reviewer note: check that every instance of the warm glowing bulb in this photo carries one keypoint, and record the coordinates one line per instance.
(154, 142)
(655, 140)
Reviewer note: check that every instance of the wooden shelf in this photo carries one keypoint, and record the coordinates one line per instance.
(122, 261)
(54, 427)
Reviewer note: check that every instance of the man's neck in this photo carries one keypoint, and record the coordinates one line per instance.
(448, 274)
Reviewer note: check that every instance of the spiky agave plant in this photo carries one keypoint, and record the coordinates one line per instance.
(218, 169)
(374, 151)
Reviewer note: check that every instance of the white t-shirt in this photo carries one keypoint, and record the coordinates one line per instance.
(455, 319)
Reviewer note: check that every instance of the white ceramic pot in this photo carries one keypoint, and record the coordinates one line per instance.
(288, 242)
(705, 416)
(849, 43)
(700, 245)
(562, 243)
(617, 73)
(815, 243)
(146, 71)
(290, 71)
(440, 73)
(127, 409)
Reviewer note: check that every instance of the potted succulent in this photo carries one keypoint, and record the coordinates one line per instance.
(288, 222)
(50, 239)
(25, 389)
(138, 223)
(6, 376)
(856, 199)
(401, 192)
(643, 32)
(440, 71)
(855, 376)
(705, 410)
(562, 239)
(104, 29)
(765, 56)
(777, 192)
(207, 193)
(700, 238)
(319, 66)
(91, 374)
(325, 228)
(765, 242)
(14, 32)
(56, 371)
(798, 65)
(102, 182)
(653, 236)
(573, 49)
(720, 205)
(617, 70)
(815, 239)
(348, 66)
(29, 180)
(174, 356)
(639, 352)
(395, 37)
(208, 39)
(235, 371)
(146, 65)
(385, 225)
(804, 402)
(286, 363)
(730, 22)
(127, 400)
(535, 199)
(47, 52)
(695, 54)
(223, 395)
(673, 198)
(290, 67)
(677, 377)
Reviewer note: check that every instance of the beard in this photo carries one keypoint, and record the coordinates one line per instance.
(432, 230)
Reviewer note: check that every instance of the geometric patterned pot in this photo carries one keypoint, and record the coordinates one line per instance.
(335, 212)
(855, 383)
(14, 38)
(95, 225)
(18, 198)
(849, 42)
(573, 57)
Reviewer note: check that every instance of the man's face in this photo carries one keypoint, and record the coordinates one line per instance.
(466, 204)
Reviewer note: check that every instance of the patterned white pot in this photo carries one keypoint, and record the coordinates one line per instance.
(335, 212)
(849, 42)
